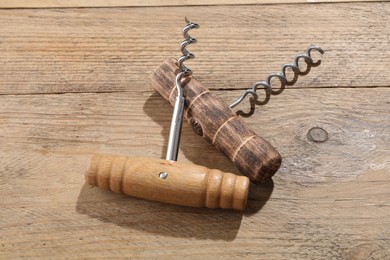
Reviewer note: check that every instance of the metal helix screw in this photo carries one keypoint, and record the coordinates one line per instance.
(282, 77)
(185, 71)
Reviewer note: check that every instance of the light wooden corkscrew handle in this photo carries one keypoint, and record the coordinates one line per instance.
(169, 182)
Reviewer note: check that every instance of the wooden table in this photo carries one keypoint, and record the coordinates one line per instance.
(75, 81)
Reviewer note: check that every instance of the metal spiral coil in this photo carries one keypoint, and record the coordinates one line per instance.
(282, 78)
(177, 116)
(185, 71)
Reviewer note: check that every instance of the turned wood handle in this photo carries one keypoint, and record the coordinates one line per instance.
(212, 118)
(184, 184)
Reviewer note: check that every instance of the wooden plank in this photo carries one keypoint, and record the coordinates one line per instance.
(140, 3)
(116, 49)
(138, 123)
(329, 200)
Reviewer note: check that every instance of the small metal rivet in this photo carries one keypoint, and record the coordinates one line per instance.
(163, 175)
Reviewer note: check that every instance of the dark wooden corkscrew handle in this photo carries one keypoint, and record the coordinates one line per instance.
(213, 119)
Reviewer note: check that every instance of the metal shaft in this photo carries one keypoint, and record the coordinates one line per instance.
(174, 134)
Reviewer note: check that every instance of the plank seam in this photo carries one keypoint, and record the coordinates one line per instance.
(213, 89)
(192, 5)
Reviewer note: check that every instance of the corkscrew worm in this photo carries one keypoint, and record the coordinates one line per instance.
(177, 117)
(294, 66)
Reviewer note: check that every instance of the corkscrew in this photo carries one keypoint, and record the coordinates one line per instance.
(213, 119)
(167, 180)
(177, 117)
(282, 77)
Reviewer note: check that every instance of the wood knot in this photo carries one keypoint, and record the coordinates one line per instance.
(196, 126)
(317, 135)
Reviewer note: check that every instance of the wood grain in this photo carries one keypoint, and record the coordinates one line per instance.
(140, 3)
(329, 199)
(117, 49)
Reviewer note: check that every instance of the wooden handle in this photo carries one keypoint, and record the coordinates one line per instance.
(213, 119)
(184, 184)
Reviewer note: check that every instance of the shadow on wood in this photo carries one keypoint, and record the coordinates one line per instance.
(258, 196)
(158, 218)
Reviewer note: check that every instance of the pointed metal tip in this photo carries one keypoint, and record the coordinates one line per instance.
(186, 19)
